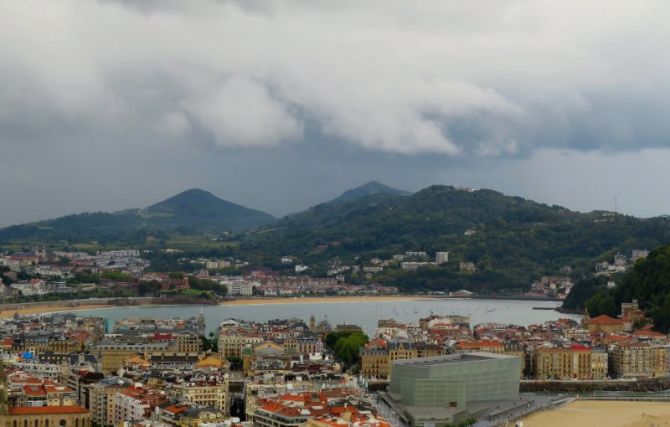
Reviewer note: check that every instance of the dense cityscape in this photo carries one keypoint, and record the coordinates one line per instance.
(143, 371)
(286, 372)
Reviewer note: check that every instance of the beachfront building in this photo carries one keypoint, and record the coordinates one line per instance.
(574, 362)
(439, 390)
(639, 360)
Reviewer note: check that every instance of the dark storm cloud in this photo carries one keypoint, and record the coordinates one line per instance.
(120, 101)
(450, 78)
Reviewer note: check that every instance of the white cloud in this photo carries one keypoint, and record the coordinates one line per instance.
(241, 112)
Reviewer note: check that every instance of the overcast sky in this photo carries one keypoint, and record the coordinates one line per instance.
(106, 105)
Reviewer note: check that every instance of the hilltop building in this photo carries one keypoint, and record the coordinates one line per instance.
(441, 257)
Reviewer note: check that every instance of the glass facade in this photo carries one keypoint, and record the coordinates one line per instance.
(454, 380)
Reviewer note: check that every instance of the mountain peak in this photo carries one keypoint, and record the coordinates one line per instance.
(197, 206)
(190, 195)
(367, 189)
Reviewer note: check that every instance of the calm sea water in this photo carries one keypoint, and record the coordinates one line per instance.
(364, 313)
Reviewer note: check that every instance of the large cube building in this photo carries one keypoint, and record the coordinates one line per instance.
(444, 387)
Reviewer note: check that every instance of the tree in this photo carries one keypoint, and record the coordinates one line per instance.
(346, 345)
(235, 363)
(207, 285)
(602, 303)
(206, 343)
(146, 288)
(213, 342)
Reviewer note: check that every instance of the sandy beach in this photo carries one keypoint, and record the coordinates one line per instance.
(60, 306)
(590, 413)
(51, 307)
(309, 300)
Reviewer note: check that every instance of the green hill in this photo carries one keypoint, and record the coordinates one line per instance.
(201, 211)
(190, 212)
(512, 241)
(100, 226)
(648, 282)
(368, 189)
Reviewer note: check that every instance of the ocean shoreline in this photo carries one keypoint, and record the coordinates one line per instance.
(32, 308)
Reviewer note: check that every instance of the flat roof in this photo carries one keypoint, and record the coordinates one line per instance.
(452, 359)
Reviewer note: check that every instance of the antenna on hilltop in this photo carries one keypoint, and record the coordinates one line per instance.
(616, 207)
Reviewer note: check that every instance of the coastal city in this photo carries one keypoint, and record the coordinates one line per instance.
(379, 213)
(288, 372)
(170, 371)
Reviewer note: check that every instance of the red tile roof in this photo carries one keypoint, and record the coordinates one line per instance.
(31, 390)
(649, 333)
(579, 347)
(40, 410)
(605, 320)
(617, 338)
(176, 409)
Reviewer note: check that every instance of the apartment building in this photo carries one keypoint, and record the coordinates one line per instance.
(574, 362)
(231, 344)
(639, 360)
(211, 392)
(103, 399)
(378, 356)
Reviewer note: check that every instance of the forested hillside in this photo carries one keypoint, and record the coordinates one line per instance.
(192, 212)
(512, 241)
(648, 282)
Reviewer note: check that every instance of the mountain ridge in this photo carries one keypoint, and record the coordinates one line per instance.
(510, 241)
(367, 189)
(190, 211)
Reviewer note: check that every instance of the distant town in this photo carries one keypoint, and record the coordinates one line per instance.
(41, 275)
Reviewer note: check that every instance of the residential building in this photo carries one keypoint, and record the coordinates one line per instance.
(103, 399)
(639, 360)
(441, 257)
(574, 362)
(47, 416)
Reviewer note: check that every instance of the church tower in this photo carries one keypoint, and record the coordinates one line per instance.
(585, 318)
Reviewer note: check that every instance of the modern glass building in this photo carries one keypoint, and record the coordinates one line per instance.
(448, 384)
